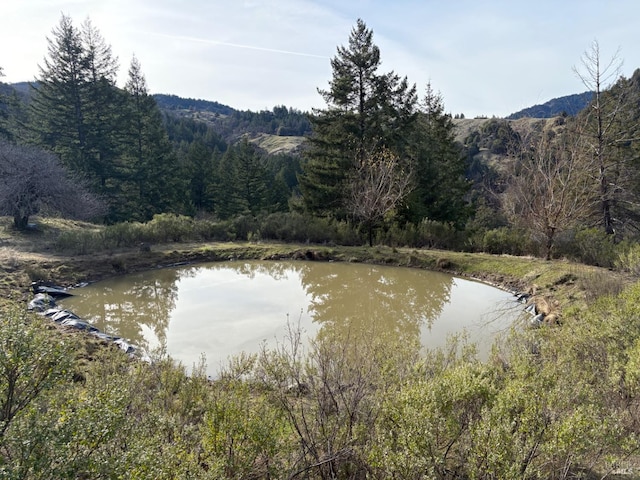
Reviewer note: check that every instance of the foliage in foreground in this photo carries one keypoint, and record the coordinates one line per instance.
(555, 402)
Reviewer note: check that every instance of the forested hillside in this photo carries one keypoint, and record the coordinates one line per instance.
(382, 158)
(567, 105)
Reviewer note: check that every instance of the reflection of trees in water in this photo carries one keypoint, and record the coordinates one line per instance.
(125, 306)
(362, 300)
(347, 300)
(350, 300)
(276, 270)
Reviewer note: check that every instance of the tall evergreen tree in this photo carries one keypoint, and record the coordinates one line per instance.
(242, 186)
(149, 166)
(201, 169)
(57, 105)
(228, 199)
(102, 104)
(439, 167)
(251, 175)
(365, 110)
(73, 111)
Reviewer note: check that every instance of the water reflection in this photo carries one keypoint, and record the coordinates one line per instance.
(391, 302)
(132, 305)
(221, 309)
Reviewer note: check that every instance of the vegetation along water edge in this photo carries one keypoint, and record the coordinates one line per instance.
(553, 398)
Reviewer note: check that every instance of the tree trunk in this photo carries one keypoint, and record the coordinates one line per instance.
(551, 231)
(20, 222)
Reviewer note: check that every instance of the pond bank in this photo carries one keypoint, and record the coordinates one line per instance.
(559, 283)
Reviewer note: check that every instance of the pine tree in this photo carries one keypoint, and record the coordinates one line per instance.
(201, 169)
(74, 109)
(227, 193)
(439, 167)
(149, 169)
(57, 108)
(251, 175)
(365, 111)
(102, 104)
(242, 186)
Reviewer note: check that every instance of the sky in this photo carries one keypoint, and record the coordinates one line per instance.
(485, 57)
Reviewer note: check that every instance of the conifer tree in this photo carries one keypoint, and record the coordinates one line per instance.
(439, 168)
(228, 200)
(149, 167)
(242, 186)
(251, 175)
(201, 170)
(366, 110)
(57, 107)
(102, 104)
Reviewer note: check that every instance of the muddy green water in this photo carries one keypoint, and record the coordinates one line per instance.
(221, 309)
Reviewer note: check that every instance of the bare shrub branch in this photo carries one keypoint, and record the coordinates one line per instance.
(33, 181)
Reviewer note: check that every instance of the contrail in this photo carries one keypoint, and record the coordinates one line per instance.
(238, 45)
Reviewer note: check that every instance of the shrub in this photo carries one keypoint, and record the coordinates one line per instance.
(167, 227)
(593, 247)
(244, 227)
(124, 234)
(296, 227)
(434, 234)
(209, 230)
(628, 259)
(428, 233)
(80, 242)
(505, 240)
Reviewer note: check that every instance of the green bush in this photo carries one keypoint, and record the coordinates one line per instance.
(432, 234)
(168, 227)
(209, 230)
(628, 259)
(245, 227)
(126, 234)
(79, 242)
(505, 240)
(593, 247)
(296, 227)
(426, 234)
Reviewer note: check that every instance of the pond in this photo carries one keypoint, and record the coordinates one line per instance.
(224, 308)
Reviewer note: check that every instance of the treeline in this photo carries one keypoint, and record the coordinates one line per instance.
(231, 123)
(116, 143)
(381, 157)
(382, 143)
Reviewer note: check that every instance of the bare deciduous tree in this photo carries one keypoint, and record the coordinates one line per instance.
(377, 187)
(34, 181)
(550, 190)
(599, 132)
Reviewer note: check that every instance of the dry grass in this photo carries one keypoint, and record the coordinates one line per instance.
(274, 144)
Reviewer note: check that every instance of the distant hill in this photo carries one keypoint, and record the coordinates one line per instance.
(22, 89)
(173, 102)
(570, 104)
(283, 129)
